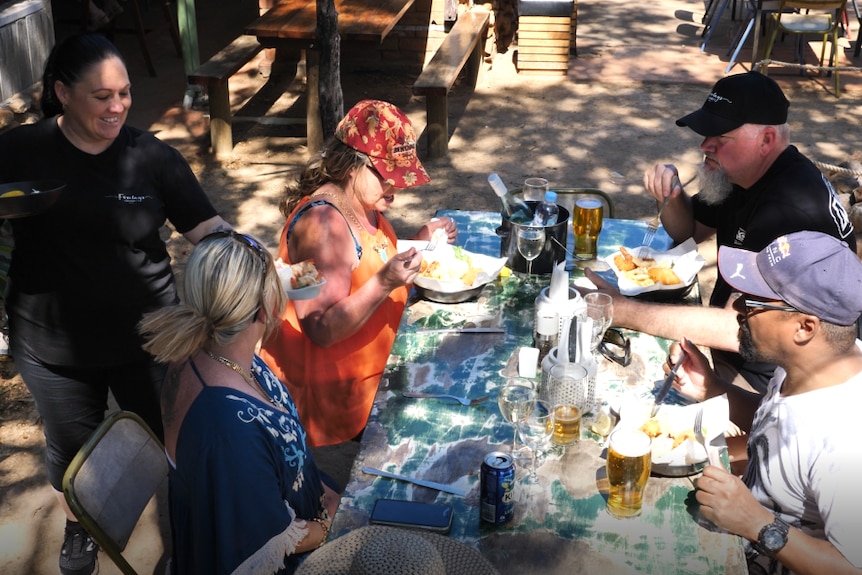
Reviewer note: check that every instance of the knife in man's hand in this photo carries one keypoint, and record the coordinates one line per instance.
(666, 384)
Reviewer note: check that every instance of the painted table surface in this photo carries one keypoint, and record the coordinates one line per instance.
(561, 524)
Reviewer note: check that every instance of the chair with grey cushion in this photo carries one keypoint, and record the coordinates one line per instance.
(112, 480)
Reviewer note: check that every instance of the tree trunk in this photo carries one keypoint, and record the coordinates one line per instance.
(329, 46)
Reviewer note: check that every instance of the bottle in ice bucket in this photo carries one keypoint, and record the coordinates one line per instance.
(547, 210)
(514, 209)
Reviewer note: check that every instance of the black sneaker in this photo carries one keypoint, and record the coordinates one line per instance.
(79, 554)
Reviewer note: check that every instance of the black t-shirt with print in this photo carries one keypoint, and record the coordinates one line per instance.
(793, 195)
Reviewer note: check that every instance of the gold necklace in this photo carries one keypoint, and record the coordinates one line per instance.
(251, 381)
(381, 245)
(341, 203)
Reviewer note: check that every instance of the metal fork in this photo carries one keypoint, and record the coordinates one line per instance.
(652, 226)
(432, 244)
(461, 400)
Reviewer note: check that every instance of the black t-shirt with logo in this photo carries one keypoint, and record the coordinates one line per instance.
(793, 195)
(84, 272)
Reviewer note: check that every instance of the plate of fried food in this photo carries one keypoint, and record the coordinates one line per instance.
(300, 280)
(661, 276)
(451, 274)
(675, 451)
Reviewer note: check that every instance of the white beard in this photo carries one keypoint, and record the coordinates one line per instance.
(714, 185)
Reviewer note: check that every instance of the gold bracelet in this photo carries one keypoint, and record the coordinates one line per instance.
(325, 527)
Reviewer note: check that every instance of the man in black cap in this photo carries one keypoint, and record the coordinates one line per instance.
(754, 187)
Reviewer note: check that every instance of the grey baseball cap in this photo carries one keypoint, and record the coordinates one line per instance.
(812, 271)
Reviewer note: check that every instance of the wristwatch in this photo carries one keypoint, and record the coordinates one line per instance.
(772, 537)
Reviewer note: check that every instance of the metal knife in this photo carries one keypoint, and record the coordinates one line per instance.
(666, 385)
(421, 482)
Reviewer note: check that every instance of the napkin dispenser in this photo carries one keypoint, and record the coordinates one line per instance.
(550, 318)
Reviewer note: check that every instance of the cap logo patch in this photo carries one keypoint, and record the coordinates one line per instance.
(778, 250)
(713, 97)
(737, 273)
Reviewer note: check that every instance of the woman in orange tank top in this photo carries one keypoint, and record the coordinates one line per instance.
(331, 350)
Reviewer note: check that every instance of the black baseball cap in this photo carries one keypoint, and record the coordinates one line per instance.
(749, 98)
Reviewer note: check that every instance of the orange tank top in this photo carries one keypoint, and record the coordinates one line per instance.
(334, 387)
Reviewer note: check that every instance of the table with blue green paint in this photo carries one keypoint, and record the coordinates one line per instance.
(560, 524)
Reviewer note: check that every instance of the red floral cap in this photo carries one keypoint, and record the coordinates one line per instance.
(384, 133)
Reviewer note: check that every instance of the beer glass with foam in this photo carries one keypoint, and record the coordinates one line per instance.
(586, 225)
(628, 466)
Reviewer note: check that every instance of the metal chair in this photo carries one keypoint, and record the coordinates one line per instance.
(767, 6)
(822, 17)
(112, 479)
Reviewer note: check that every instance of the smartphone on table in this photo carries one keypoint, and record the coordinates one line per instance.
(436, 517)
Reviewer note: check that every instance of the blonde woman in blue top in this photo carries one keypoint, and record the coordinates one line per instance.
(245, 494)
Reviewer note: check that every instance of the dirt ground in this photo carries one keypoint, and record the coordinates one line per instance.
(600, 126)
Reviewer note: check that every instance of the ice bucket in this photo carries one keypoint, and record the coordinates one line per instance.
(552, 253)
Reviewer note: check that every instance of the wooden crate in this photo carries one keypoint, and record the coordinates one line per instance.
(26, 39)
(543, 44)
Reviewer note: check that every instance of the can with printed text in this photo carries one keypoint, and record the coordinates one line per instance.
(497, 496)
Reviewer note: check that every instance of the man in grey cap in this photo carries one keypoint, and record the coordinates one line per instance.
(754, 186)
(797, 503)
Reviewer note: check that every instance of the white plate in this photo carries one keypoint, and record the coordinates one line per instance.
(490, 267)
(308, 292)
(684, 258)
(689, 456)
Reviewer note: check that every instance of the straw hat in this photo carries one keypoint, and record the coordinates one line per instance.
(379, 550)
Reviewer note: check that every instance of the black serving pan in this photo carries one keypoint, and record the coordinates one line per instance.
(39, 195)
(666, 295)
(448, 297)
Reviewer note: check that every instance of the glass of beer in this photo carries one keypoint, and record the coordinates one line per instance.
(628, 467)
(586, 225)
(567, 391)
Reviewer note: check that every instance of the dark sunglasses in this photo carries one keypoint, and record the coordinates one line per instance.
(374, 171)
(248, 241)
(751, 305)
(616, 347)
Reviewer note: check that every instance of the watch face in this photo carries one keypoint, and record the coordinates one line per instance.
(772, 539)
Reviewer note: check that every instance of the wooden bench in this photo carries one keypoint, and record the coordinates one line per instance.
(213, 75)
(464, 43)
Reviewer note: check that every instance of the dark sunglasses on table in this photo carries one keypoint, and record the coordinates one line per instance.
(247, 241)
(616, 347)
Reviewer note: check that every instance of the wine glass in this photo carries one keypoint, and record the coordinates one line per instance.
(600, 309)
(516, 399)
(531, 242)
(536, 431)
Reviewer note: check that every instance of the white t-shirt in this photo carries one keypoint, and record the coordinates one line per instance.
(805, 462)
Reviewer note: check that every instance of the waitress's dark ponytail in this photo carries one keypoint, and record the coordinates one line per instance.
(68, 61)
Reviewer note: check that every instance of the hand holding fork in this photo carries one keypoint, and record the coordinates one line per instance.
(652, 226)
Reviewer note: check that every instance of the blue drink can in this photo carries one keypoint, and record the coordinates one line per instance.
(497, 495)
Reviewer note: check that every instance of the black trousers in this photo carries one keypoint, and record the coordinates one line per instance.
(72, 402)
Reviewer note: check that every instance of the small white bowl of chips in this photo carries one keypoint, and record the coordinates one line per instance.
(642, 270)
(300, 280)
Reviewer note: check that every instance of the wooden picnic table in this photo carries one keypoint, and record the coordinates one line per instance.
(292, 24)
